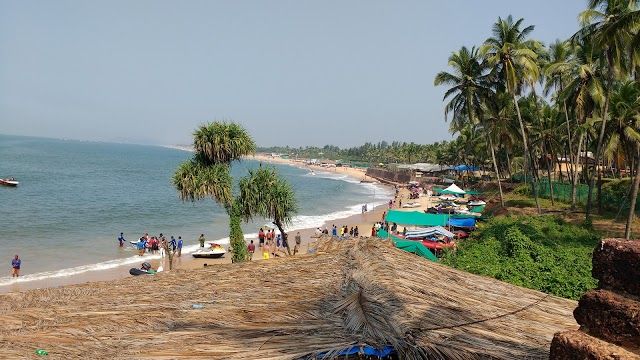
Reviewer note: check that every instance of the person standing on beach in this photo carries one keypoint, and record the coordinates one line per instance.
(140, 246)
(356, 232)
(121, 239)
(334, 230)
(179, 246)
(251, 248)
(173, 243)
(15, 266)
(261, 238)
(201, 240)
(298, 239)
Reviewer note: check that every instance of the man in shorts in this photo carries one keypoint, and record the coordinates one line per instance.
(15, 266)
(298, 239)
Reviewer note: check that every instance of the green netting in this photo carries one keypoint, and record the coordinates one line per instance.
(477, 209)
(562, 192)
(414, 247)
(416, 218)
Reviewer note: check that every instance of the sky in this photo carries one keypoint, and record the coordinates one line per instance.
(292, 72)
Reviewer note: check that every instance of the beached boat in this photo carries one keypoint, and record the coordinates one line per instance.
(476, 203)
(215, 251)
(411, 205)
(438, 245)
(9, 182)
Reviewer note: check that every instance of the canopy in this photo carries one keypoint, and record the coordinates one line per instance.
(468, 223)
(416, 218)
(454, 189)
(414, 247)
(418, 233)
(465, 168)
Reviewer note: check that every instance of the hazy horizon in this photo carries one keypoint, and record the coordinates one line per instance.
(293, 73)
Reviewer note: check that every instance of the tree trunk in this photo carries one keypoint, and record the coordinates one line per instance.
(569, 143)
(574, 184)
(605, 113)
(509, 165)
(495, 168)
(236, 237)
(634, 196)
(548, 161)
(285, 237)
(534, 184)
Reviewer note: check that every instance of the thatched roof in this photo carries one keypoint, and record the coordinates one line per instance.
(351, 292)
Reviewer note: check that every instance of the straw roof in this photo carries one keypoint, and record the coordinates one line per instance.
(351, 292)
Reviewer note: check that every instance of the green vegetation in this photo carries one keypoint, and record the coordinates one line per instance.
(542, 253)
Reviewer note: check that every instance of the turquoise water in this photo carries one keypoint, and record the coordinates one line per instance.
(75, 197)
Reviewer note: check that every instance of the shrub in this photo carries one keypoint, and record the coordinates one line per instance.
(542, 253)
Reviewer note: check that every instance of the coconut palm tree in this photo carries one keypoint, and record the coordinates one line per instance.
(585, 92)
(470, 87)
(623, 134)
(514, 61)
(264, 193)
(216, 146)
(610, 26)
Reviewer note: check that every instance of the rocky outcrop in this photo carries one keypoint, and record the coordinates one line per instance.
(609, 317)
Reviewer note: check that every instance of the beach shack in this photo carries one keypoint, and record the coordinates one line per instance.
(359, 298)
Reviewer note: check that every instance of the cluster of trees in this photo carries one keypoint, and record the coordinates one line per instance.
(261, 193)
(514, 97)
(382, 152)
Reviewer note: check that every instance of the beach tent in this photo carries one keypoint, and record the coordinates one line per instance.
(453, 189)
(416, 218)
(420, 233)
(466, 223)
(414, 247)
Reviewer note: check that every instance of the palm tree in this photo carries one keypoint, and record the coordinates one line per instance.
(216, 145)
(510, 53)
(624, 133)
(585, 92)
(610, 26)
(264, 193)
(470, 88)
(557, 71)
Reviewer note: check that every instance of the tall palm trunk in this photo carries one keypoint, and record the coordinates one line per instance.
(534, 184)
(548, 161)
(574, 184)
(605, 113)
(495, 168)
(634, 196)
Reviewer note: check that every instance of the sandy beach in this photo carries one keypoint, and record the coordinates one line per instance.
(363, 221)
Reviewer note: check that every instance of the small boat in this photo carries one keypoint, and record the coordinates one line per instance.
(215, 251)
(411, 205)
(476, 203)
(9, 182)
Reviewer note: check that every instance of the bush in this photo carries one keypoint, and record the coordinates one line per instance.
(542, 253)
(522, 189)
(615, 193)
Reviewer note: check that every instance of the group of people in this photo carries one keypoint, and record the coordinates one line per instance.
(270, 243)
(344, 231)
(155, 244)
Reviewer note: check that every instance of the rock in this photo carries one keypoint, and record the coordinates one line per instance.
(576, 345)
(609, 316)
(616, 264)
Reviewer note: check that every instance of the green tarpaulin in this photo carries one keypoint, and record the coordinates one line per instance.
(414, 247)
(478, 209)
(416, 218)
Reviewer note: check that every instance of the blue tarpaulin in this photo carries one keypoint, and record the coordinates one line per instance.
(364, 350)
(466, 223)
(465, 168)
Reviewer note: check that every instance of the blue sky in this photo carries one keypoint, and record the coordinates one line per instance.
(293, 72)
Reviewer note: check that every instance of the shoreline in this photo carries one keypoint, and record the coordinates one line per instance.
(363, 221)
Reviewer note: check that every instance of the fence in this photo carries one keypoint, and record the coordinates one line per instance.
(613, 198)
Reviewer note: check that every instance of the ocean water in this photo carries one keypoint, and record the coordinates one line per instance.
(75, 197)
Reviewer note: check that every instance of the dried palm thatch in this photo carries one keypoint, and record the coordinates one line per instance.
(349, 293)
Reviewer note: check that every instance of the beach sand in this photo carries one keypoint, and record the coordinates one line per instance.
(363, 221)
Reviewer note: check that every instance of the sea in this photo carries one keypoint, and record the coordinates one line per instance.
(75, 197)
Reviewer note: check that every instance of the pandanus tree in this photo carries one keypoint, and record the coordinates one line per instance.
(208, 174)
(469, 89)
(266, 194)
(514, 61)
